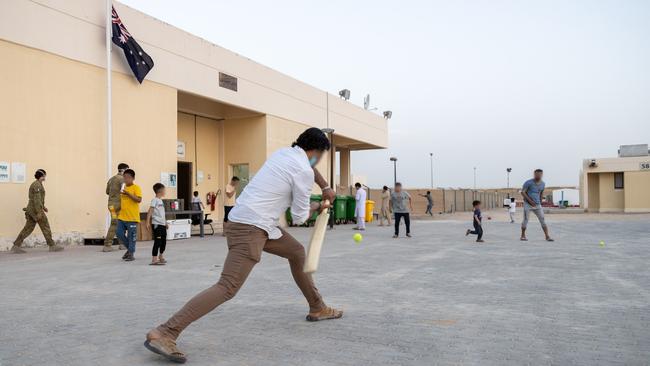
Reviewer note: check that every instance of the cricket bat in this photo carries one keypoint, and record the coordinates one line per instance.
(316, 242)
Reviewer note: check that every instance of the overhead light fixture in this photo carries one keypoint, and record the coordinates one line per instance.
(345, 94)
(388, 114)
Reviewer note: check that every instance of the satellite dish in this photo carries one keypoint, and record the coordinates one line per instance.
(366, 102)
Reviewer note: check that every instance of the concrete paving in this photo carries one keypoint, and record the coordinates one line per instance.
(436, 299)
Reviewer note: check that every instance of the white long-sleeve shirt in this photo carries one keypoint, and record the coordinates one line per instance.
(360, 207)
(285, 180)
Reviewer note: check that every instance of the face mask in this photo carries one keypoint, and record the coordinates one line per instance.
(313, 160)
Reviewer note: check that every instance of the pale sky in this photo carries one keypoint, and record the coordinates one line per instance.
(487, 84)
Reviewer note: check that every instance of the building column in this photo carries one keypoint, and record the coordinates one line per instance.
(344, 156)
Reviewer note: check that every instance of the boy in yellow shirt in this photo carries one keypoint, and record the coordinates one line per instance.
(129, 217)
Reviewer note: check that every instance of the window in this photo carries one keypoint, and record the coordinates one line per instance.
(619, 182)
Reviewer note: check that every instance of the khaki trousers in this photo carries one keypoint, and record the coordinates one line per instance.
(30, 224)
(110, 234)
(245, 245)
(384, 215)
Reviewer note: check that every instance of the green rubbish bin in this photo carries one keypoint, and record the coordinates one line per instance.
(340, 205)
(312, 219)
(288, 216)
(349, 209)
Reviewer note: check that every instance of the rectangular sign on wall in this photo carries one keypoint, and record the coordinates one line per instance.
(180, 149)
(168, 179)
(227, 81)
(18, 172)
(645, 165)
(5, 172)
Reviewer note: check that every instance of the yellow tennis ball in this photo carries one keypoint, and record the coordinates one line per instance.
(602, 243)
(357, 237)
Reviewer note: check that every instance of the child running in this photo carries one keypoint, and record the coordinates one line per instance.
(156, 220)
(478, 228)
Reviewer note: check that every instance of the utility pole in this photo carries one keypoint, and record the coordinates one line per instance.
(508, 182)
(474, 178)
(394, 160)
(431, 156)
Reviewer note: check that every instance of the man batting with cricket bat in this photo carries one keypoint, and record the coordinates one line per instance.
(285, 180)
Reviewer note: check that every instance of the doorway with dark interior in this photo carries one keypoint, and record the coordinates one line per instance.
(184, 188)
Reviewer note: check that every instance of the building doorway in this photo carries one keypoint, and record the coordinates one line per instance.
(184, 189)
(241, 171)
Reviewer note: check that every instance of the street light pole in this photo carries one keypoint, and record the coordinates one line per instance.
(394, 160)
(431, 156)
(508, 182)
(474, 178)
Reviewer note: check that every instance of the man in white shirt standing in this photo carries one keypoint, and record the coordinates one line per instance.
(284, 181)
(360, 207)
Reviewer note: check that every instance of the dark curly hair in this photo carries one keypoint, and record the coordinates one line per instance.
(40, 173)
(312, 139)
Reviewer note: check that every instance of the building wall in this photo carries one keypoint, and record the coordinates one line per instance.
(245, 143)
(79, 36)
(444, 200)
(598, 185)
(593, 194)
(51, 119)
(611, 200)
(205, 155)
(637, 191)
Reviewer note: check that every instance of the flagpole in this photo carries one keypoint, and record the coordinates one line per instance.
(109, 102)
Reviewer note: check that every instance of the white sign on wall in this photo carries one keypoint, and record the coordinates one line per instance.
(18, 172)
(180, 149)
(5, 172)
(645, 165)
(172, 180)
(168, 179)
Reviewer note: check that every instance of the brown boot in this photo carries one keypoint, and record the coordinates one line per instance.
(17, 250)
(108, 248)
(56, 248)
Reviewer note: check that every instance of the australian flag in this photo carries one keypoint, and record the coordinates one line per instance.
(139, 61)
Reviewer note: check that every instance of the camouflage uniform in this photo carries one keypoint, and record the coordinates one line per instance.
(35, 214)
(113, 187)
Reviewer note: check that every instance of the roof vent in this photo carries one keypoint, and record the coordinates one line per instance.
(627, 151)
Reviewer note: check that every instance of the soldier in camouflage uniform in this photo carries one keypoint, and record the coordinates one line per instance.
(35, 214)
(113, 188)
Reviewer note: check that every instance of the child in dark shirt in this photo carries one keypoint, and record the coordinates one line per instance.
(478, 227)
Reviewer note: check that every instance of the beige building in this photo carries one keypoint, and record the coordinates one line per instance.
(620, 184)
(180, 120)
